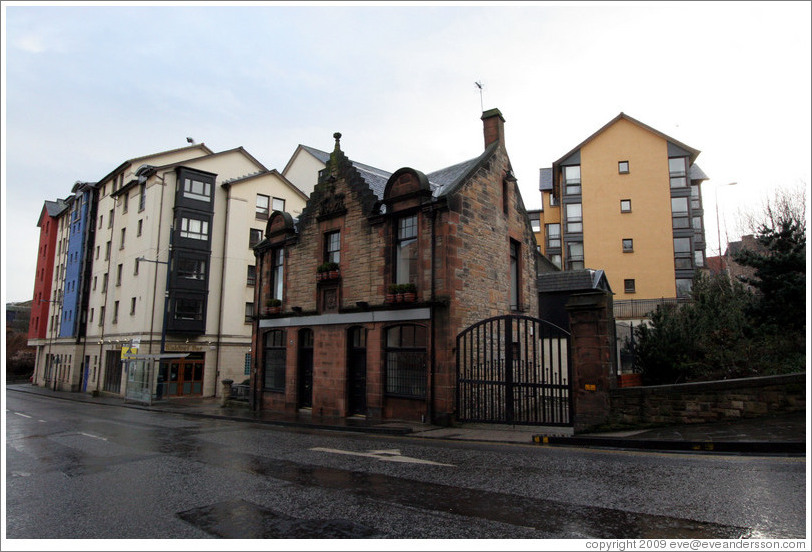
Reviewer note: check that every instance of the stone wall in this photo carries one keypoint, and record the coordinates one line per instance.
(593, 373)
(703, 402)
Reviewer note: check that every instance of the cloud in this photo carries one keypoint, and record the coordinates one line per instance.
(32, 43)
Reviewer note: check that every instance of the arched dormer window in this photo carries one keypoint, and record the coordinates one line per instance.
(279, 223)
(404, 185)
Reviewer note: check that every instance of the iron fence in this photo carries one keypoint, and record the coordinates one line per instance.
(642, 308)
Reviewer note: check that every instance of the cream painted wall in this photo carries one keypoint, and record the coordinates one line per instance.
(651, 264)
(303, 170)
(230, 238)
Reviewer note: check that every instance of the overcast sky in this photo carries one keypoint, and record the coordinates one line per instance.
(88, 87)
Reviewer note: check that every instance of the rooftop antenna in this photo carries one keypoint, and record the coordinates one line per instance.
(481, 103)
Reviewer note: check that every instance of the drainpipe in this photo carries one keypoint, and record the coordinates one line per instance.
(104, 303)
(155, 281)
(256, 390)
(432, 357)
(222, 289)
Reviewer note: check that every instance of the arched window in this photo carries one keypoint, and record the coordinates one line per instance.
(274, 360)
(406, 364)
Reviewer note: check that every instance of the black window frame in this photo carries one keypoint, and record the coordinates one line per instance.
(188, 186)
(197, 316)
(628, 245)
(278, 273)
(572, 186)
(274, 359)
(515, 275)
(406, 235)
(552, 241)
(678, 178)
(261, 212)
(406, 361)
(332, 246)
(255, 236)
(573, 222)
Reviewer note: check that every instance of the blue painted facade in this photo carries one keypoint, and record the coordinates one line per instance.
(78, 251)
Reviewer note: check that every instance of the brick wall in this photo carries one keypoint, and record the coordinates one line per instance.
(708, 401)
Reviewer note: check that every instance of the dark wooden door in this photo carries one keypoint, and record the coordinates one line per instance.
(305, 368)
(357, 372)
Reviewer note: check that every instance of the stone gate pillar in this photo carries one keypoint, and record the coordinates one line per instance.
(593, 366)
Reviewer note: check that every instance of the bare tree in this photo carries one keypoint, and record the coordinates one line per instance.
(786, 204)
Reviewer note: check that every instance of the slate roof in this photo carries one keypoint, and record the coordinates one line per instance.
(442, 182)
(322, 156)
(546, 179)
(447, 180)
(54, 208)
(697, 174)
(573, 280)
(375, 178)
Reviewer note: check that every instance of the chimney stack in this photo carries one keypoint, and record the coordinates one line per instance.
(494, 126)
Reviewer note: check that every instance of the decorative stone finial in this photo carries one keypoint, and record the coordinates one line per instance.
(337, 136)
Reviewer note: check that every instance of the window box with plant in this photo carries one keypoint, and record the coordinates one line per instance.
(391, 293)
(328, 271)
(401, 293)
(273, 306)
(409, 292)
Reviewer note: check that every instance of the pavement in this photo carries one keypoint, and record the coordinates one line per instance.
(784, 434)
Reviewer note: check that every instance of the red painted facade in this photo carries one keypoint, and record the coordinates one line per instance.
(40, 305)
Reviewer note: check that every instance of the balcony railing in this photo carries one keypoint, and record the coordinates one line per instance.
(642, 308)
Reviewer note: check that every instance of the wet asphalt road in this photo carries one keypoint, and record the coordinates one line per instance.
(76, 470)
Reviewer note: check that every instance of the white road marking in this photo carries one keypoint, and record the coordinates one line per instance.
(389, 455)
(94, 436)
(23, 415)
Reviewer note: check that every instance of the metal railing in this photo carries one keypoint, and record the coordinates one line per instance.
(642, 308)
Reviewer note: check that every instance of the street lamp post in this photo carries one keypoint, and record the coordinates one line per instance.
(163, 323)
(718, 233)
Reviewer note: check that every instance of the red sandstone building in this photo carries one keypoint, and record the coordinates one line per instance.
(341, 344)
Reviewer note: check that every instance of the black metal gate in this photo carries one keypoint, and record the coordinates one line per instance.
(514, 369)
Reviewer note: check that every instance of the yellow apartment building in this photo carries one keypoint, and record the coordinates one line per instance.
(627, 200)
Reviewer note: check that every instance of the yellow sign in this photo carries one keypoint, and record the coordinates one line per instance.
(591, 387)
(131, 350)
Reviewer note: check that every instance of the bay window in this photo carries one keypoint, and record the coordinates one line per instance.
(574, 218)
(572, 180)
